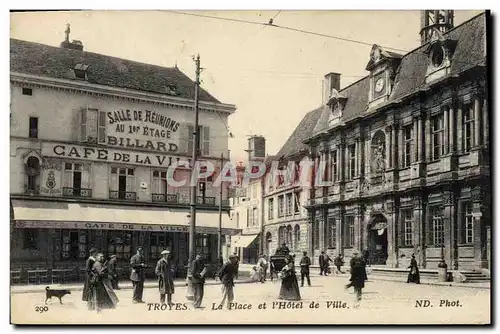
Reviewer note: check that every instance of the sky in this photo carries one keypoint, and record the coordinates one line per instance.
(273, 75)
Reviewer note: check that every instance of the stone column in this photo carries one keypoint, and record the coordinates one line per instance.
(477, 122)
(479, 228)
(415, 150)
(358, 149)
(450, 234)
(451, 114)
(427, 139)
(321, 243)
(391, 249)
(338, 231)
(421, 138)
(387, 134)
(394, 235)
(419, 226)
(485, 122)
(394, 147)
(446, 130)
(460, 130)
(399, 163)
(357, 230)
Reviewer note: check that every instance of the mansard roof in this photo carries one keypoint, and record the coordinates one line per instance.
(470, 52)
(56, 62)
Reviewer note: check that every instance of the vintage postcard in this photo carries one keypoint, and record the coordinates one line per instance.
(250, 167)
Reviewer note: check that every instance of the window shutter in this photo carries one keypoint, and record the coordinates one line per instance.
(86, 176)
(130, 183)
(68, 179)
(113, 182)
(92, 120)
(101, 127)
(154, 185)
(206, 141)
(83, 124)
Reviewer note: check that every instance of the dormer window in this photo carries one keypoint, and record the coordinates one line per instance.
(171, 90)
(80, 71)
(437, 56)
(335, 103)
(439, 52)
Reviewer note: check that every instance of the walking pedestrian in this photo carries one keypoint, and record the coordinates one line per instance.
(289, 285)
(366, 256)
(338, 262)
(321, 263)
(358, 276)
(88, 271)
(305, 263)
(226, 276)
(414, 274)
(165, 272)
(113, 273)
(137, 275)
(237, 264)
(102, 295)
(198, 272)
(262, 264)
(326, 263)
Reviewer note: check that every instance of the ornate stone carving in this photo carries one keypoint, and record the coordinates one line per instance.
(377, 164)
(51, 164)
(476, 194)
(448, 198)
(417, 202)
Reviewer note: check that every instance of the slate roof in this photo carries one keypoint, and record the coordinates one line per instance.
(56, 62)
(304, 130)
(470, 51)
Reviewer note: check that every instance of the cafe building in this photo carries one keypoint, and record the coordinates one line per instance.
(92, 138)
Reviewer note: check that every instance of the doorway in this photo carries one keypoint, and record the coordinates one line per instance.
(377, 240)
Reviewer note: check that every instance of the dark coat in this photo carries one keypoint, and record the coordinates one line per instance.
(358, 273)
(88, 272)
(137, 273)
(305, 262)
(165, 272)
(197, 267)
(227, 273)
(321, 260)
(102, 294)
(112, 266)
(338, 261)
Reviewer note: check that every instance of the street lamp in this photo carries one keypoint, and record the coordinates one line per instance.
(190, 290)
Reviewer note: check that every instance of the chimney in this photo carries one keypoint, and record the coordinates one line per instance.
(256, 148)
(74, 45)
(332, 81)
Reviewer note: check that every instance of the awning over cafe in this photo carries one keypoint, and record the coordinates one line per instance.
(64, 215)
(243, 241)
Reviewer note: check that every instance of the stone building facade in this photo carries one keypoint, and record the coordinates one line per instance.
(408, 154)
(91, 141)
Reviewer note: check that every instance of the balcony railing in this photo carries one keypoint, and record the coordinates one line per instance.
(225, 202)
(122, 195)
(205, 200)
(77, 192)
(32, 191)
(165, 198)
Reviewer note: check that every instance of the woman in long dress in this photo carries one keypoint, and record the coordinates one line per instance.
(165, 272)
(289, 285)
(88, 272)
(102, 295)
(414, 274)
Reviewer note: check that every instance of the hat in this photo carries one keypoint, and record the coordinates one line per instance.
(93, 250)
(166, 251)
(112, 255)
(139, 248)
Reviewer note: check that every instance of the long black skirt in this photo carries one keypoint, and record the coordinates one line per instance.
(290, 289)
(413, 276)
(102, 296)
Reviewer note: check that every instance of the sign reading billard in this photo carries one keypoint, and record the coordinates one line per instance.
(142, 129)
(102, 154)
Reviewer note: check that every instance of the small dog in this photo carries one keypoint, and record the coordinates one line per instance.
(49, 293)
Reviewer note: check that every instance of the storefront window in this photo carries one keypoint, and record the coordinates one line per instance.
(158, 242)
(30, 237)
(202, 246)
(120, 244)
(74, 245)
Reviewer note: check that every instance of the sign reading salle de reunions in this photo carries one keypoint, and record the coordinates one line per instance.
(142, 129)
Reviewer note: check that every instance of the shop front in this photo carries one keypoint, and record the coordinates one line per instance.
(60, 234)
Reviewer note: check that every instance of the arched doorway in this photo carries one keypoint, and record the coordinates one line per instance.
(377, 239)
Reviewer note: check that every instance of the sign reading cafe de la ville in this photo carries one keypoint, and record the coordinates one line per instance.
(144, 130)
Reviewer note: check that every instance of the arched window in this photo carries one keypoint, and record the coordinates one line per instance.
(32, 173)
(289, 236)
(296, 237)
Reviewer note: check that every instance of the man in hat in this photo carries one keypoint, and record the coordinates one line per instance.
(87, 290)
(198, 272)
(113, 274)
(138, 275)
(226, 276)
(305, 263)
(165, 272)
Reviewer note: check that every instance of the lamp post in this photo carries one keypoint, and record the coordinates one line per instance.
(196, 145)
